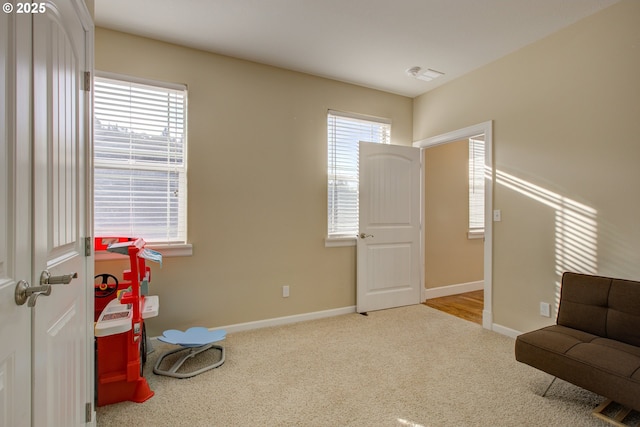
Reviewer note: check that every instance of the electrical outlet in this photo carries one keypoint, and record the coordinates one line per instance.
(545, 309)
(285, 291)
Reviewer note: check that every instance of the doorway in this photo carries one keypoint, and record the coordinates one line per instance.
(486, 284)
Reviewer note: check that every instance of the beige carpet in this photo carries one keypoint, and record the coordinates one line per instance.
(410, 366)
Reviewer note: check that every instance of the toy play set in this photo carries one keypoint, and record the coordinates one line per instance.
(120, 311)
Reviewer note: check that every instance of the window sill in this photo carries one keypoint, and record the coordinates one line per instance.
(167, 251)
(475, 234)
(336, 242)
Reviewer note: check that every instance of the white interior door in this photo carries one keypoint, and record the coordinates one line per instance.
(388, 248)
(63, 320)
(15, 223)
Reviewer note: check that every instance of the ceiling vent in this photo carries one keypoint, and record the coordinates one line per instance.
(426, 75)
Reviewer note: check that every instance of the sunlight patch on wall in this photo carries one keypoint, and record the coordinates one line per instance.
(576, 238)
(576, 228)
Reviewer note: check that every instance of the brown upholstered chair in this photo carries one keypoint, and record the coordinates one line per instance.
(595, 343)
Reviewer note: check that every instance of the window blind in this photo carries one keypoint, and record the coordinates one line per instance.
(476, 184)
(344, 132)
(140, 184)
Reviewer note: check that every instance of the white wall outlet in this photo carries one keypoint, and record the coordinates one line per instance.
(497, 215)
(285, 291)
(545, 309)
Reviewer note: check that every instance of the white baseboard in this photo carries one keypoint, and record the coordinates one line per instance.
(278, 321)
(460, 288)
(505, 331)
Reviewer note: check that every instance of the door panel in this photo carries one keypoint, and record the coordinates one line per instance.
(15, 219)
(45, 352)
(389, 243)
(393, 264)
(61, 330)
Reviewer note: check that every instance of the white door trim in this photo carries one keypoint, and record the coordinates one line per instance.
(487, 129)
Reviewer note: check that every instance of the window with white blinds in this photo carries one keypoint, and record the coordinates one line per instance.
(140, 171)
(344, 132)
(476, 184)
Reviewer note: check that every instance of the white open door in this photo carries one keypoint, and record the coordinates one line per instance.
(15, 220)
(388, 248)
(46, 328)
(63, 320)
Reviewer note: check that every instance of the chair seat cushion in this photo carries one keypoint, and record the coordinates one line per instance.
(586, 360)
(192, 337)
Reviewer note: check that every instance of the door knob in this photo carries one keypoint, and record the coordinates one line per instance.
(25, 292)
(364, 236)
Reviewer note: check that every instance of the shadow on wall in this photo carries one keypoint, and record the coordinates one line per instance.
(576, 228)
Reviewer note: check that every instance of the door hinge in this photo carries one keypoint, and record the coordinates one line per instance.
(88, 416)
(87, 246)
(87, 81)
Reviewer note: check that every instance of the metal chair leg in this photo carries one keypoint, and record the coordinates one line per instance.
(549, 386)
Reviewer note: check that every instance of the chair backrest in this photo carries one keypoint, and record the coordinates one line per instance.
(602, 306)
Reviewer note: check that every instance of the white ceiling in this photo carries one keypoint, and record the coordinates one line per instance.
(367, 42)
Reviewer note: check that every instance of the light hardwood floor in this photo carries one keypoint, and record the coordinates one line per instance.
(467, 306)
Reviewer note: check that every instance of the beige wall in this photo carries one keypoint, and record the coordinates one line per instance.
(450, 257)
(566, 114)
(257, 210)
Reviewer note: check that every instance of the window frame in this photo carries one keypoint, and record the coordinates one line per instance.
(178, 247)
(348, 238)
